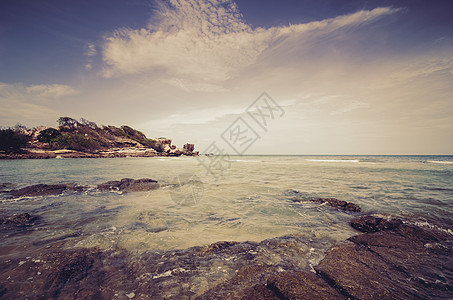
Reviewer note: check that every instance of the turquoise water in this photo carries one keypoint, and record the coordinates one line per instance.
(249, 201)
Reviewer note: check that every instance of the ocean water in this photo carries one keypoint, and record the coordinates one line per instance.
(247, 201)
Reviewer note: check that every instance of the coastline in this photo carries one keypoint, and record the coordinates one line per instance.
(110, 153)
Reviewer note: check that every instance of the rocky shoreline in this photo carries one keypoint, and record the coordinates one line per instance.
(389, 258)
(111, 153)
(85, 139)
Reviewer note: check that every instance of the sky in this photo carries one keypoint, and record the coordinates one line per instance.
(339, 77)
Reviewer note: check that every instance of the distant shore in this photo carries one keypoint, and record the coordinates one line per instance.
(67, 153)
(84, 139)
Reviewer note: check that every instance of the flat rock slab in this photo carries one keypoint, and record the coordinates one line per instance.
(408, 262)
(297, 196)
(130, 185)
(124, 185)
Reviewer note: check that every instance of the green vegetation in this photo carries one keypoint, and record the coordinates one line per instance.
(49, 135)
(12, 141)
(76, 135)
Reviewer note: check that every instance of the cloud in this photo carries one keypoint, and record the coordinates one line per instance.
(90, 50)
(53, 91)
(207, 41)
(33, 103)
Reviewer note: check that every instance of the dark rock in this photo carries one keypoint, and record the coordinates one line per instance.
(298, 197)
(5, 186)
(40, 190)
(130, 185)
(259, 291)
(372, 223)
(216, 247)
(301, 285)
(391, 264)
(343, 205)
(20, 219)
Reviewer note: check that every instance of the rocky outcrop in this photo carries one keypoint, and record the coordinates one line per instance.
(371, 223)
(130, 185)
(393, 260)
(297, 196)
(340, 204)
(123, 185)
(41, 190)
(84, 139)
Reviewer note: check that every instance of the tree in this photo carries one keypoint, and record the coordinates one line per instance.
(67, 123)
(90, 124)
(20, 127)
(48, 135)
(12, 141)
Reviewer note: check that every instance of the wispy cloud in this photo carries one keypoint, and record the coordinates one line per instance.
(90, 50)
(207, 41)
(33, 103)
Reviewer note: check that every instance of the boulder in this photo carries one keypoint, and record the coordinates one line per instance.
(40, 190)
(343, 205)
(130, 185)
(371, 223)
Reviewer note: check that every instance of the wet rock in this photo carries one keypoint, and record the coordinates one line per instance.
(343, 205)
(298, 197)
(130, 185)
(20, 219)
(259, 292)
(216, 247)
(40, 190)
(301, 285)
(391, 264)
(5, 186)
(372, 223)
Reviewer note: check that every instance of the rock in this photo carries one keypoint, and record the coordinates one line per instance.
(407, 262)
(130, 185)
(20, 219)
(188, 147)
(216, 247)
(301, 285)
(259, 291)
(298, 197)
(372, 223)
(343, 205)
(6, 185)
(40, 190)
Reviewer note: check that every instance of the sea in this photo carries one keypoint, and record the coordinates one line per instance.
(202, 200)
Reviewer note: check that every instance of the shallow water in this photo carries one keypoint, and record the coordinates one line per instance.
(249, 202)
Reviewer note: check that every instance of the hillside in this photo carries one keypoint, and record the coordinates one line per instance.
(84, 138)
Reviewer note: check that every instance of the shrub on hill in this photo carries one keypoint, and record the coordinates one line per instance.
(12, 141)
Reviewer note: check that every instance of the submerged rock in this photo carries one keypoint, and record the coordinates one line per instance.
(297, 196)
(19, 219)
(343, 205)
(124, 185)
(40, 190)
(130, 185)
